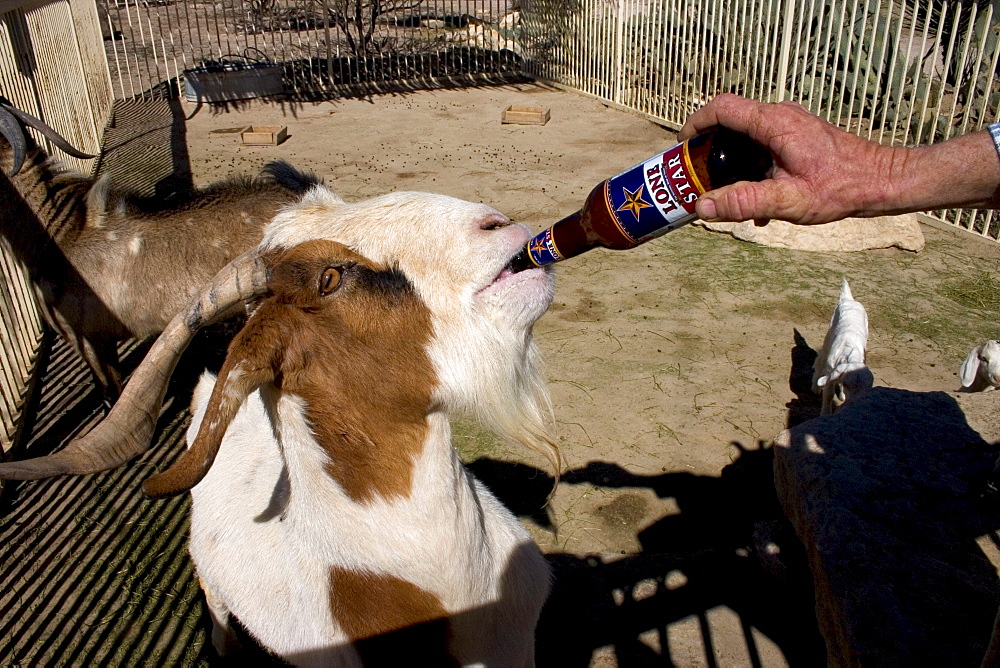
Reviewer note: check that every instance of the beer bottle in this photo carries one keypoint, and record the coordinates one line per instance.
(649, 199)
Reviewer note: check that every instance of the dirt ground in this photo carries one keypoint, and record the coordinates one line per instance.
(670, 365)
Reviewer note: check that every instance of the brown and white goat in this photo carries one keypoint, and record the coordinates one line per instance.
(108, 266)
(331, 515)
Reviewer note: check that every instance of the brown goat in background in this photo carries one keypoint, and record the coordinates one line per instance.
(108, 265)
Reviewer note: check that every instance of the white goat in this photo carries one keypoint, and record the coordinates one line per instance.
(337, 523)
(840, 371)
(980, 371)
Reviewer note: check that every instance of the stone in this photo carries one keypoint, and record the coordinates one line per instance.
(849, 234)
(888, 496)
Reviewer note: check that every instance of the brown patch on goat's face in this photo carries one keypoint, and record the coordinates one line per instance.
(354, 348)
(389, 620)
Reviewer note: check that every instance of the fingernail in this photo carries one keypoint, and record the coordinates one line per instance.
(705, 208)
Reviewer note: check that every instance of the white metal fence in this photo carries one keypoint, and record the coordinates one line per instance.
(52, 66)
(322, 46)
(896, 71)
(902, 71)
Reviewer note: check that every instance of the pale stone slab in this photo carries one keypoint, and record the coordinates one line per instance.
(849, 234)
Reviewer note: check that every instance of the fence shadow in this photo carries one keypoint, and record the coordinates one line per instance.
(718, 542)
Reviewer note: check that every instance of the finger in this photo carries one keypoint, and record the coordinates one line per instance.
(702, 119)
(732, 111)
(751, 200)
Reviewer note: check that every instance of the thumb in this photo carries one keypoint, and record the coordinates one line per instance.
(747, 200)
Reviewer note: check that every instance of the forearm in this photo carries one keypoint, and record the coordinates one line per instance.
(961, 172)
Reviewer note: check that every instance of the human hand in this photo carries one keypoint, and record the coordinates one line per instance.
(821, 173)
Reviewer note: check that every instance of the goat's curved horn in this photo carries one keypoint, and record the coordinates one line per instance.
(128, 428)
(14, 134)
(250, 362)
(49, 133)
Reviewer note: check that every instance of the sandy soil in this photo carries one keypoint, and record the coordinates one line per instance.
(670, 365)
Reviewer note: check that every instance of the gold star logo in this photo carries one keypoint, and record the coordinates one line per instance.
(537, 247)
(633, 202)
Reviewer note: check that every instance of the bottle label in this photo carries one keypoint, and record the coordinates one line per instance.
(646, 201)
(656, 196)
(542, 249)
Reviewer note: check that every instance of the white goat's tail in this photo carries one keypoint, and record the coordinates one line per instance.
(845, 290)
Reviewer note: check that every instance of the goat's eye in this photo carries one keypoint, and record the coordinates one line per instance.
(329, 280)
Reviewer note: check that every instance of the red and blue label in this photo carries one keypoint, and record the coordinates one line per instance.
(646, 201)
(655, 197)
(542, 249)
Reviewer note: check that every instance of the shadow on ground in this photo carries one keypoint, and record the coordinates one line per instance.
(716, 552)
(92, 572)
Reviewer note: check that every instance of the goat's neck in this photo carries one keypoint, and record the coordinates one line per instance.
(56, 197)
(444, 519)
(373, 446)
(356, 501)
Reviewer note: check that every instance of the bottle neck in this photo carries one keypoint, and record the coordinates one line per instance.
(571, 236)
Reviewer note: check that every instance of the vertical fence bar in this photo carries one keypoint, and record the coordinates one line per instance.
(784, 50)
(960, 67)
(804, 30)
(619, 51)
(891, 76)
(857, 42)
(927, 95)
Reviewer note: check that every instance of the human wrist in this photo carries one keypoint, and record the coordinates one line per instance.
(961, 172)
(884, 175)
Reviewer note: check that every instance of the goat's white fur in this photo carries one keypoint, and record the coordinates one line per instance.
(980, 371)
(840, 371)
(267, 524)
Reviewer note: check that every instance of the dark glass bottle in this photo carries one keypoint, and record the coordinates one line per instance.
(649, 199)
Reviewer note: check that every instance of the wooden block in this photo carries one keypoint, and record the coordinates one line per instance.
(263, 135)
(525, 115)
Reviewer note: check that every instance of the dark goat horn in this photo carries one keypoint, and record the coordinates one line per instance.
(128, 428)
(14, 134)
(49, 133)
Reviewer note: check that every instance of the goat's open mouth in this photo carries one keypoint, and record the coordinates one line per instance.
(505, 273)
(510, 269)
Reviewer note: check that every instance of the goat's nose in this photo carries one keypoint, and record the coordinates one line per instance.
(494, 222)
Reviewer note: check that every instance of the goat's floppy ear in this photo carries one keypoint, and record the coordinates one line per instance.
(253, 358)
(970, 367)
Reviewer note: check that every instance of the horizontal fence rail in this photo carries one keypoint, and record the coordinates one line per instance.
(902, 72)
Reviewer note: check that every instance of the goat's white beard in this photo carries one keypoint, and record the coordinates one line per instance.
(498, 380)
